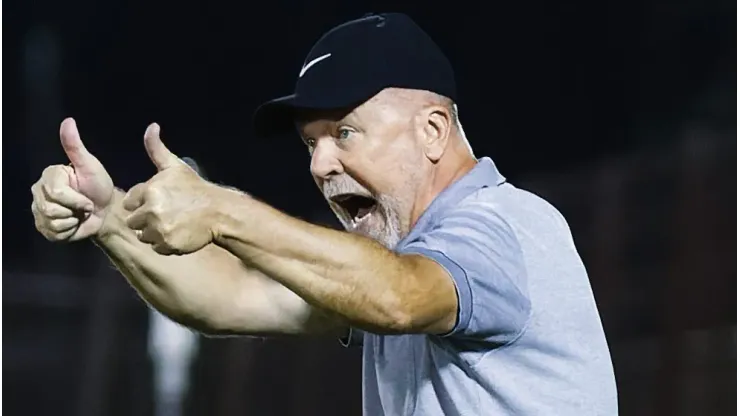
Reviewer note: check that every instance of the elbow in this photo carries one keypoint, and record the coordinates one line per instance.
(399, 322)
(424, 300)
(388, 315)
(404, 321)
(419, 313)
(402, 317)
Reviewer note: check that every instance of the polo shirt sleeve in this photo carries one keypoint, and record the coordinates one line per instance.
(482, 255)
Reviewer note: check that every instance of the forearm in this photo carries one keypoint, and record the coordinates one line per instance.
(209, 290)
(353, 276)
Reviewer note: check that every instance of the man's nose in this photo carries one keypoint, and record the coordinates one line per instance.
(325, 161)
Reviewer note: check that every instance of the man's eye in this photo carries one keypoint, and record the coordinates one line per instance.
(344, 133)
(311, 143)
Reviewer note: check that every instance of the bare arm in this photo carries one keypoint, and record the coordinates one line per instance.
(210, 290)
(373, 288)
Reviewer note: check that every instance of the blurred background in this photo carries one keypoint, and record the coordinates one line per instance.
(622, 114)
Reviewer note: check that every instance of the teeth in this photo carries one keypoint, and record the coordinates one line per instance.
(362, 214)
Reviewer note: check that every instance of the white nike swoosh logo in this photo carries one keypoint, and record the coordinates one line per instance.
(312, 63)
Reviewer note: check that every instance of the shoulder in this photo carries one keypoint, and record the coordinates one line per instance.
(515, 208)
(478, 219)
(474, 233)
(483, 212)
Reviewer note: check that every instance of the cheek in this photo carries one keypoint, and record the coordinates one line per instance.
(399, 160)
(383, 163)
(392, 177)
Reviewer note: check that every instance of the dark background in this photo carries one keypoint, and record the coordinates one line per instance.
(620, 113)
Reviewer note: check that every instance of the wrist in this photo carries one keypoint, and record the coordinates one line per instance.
(230, 209)
(112, 218)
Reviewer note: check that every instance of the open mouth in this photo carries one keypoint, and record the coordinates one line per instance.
(358, 207)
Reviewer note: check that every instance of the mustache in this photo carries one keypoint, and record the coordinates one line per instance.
(343, 185)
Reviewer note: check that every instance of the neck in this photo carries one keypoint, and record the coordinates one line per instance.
(448, 170)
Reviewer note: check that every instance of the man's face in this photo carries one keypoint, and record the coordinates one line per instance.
(368, 164)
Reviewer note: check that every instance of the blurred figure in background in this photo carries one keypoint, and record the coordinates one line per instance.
(172, 349)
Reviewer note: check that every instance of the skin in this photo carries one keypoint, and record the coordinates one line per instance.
(401, 147)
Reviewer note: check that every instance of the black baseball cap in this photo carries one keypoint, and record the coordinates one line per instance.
(356, 60)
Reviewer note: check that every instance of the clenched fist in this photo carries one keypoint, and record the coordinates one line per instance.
(174, 210)
(70, 201)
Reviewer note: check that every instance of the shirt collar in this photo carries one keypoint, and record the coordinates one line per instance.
(483, 175)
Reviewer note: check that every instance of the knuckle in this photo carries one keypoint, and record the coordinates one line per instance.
(48, 170)
(42, 208)
(127, 199)
(54, 192)
(153, 192)
(132, 191)
(137, 188)
(165, 230)
(156, 210)
(53, 171)
(37, 191)
(48, 188)
(47, 212)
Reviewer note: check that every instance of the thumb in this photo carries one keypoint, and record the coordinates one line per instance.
(72, 144)
(158, 152)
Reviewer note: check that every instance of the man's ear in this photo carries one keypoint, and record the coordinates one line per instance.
(435, 125)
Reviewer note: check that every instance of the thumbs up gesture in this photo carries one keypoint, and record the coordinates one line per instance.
(173, 210)
(70, 201)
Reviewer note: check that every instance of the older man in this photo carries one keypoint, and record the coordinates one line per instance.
(466, 293)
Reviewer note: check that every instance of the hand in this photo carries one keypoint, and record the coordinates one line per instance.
(171, 211)
(70, 201)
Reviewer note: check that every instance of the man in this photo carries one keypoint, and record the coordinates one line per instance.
(468, 296)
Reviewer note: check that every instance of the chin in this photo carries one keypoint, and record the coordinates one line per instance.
(375, 227)
(384, 232)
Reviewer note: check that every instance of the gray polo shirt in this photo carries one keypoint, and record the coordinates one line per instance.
(528, 338)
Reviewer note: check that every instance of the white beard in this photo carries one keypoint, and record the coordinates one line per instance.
(387, 226)
(389, 235)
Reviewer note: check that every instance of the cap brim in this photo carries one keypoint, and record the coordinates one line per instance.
(275, 117)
